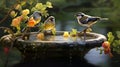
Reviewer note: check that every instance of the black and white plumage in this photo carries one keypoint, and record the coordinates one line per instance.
(87, 20)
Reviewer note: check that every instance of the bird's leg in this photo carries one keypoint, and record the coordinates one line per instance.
(84, 32)
(26, 33)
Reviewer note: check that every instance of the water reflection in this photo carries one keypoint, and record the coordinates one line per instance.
(94, 57)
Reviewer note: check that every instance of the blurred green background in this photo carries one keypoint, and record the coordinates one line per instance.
(64, 11)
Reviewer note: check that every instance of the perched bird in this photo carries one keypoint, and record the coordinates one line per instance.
(86, 20)
(36, 16)
(49, 23)
(33, 20)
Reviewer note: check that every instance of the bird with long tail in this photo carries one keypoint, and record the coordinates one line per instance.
(87, 21)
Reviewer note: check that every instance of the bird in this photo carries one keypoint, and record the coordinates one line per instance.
(87, 20)
(49, 23)
(33, 20)
(36, 16)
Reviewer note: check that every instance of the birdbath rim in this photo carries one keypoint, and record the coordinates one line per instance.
(98, 39)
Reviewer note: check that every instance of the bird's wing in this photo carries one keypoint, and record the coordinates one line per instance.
(93, 19)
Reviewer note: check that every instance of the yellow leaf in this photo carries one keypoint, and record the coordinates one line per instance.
(66, 34)
(38, 5)
(23, 3)
(49, 4)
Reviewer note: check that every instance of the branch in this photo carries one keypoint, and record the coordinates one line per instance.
(6, 16)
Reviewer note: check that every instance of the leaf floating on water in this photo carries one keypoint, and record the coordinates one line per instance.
(66, 34)
(73, 32)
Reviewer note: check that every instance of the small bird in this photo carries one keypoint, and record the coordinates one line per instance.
(87, 20)
(49, 23)
(36, 16)
(33, 20)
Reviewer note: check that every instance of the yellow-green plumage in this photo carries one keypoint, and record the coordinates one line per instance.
(49, 24)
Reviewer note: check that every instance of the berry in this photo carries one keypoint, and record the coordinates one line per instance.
(6, 50)
(106, 44)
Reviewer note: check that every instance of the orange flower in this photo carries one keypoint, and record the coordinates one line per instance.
(16, 21)
(31, 22)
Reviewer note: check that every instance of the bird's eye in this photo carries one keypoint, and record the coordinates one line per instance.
(51, 19)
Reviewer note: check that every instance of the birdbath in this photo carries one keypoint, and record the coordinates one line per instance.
(55, 46)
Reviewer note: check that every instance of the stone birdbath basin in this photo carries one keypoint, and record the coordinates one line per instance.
(53, 46)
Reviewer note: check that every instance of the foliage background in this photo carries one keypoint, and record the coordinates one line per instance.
(64, 11)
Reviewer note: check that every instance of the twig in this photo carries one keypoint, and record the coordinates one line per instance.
(6, 16)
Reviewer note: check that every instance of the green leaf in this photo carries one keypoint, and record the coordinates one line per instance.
(53, 31)
(116, 43)
(38, 6)
(33, 9)
(23, 3)
(118, 34)
(110, 37)
(31, 2)
(41, 27)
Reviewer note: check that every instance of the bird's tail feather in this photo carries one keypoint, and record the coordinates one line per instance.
(104, 19)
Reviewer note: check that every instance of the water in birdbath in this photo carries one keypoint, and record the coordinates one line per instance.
(60, 38)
